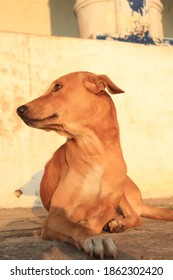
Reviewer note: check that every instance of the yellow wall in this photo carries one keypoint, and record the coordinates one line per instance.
(25, 16)
(46, 17)
(29, 63)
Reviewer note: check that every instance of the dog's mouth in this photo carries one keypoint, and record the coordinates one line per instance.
(47, 124)
(34, 121)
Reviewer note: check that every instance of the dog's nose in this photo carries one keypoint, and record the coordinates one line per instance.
(21, 109)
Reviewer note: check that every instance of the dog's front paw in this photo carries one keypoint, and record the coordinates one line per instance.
(100, 246)
(115, 226)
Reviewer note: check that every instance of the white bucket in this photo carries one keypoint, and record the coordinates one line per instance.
(95, 17)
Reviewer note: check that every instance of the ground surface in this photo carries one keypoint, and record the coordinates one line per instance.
(20, 238)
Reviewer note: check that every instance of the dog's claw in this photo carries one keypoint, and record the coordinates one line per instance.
(100, 246)
(88, 247)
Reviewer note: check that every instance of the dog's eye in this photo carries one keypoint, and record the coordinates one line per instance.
(57, 87)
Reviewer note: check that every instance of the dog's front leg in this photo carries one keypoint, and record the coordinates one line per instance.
(58, 226)
(99, 245)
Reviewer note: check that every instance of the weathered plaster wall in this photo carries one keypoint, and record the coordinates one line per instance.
(29, 63)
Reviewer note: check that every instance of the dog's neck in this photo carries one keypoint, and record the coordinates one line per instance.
(103, 125)
(100, 136)
(97, 141)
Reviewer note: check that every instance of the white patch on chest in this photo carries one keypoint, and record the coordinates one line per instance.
(84, 203)
(92, 181)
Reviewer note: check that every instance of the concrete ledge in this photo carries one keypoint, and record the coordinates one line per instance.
(20, 238)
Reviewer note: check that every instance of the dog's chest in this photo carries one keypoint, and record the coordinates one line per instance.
(87, 194)
(91, 182)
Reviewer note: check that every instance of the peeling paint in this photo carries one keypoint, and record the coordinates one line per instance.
(137, 38)
(133, 17)
(135, 25)
(137, 6)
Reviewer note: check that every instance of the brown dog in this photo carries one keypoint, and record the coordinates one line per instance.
(85, 186)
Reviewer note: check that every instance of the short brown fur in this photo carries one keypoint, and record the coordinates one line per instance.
(85, 186)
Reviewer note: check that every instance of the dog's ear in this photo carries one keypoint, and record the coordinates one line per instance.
(98, 83)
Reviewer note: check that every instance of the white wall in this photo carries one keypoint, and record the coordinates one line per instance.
(145, 110)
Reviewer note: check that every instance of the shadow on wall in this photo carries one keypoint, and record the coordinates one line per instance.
(63, 22)
(32, 189)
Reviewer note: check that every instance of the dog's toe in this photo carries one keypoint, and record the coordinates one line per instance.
(100, 246)
(116, 226)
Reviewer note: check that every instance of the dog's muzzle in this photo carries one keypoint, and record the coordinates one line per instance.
(22, 112)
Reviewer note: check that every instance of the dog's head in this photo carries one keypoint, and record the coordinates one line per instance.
(72, 101)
